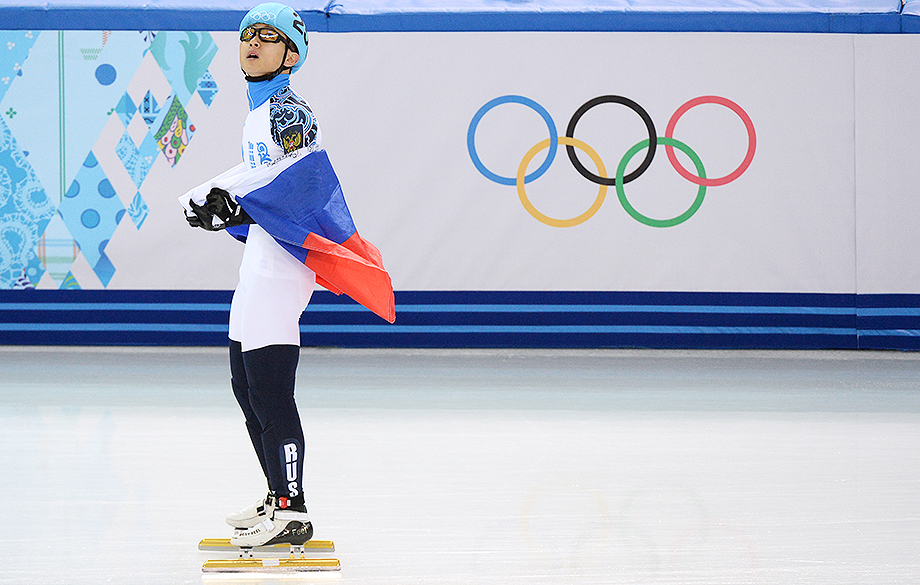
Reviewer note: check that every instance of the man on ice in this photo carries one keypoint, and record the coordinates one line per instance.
(285, 202)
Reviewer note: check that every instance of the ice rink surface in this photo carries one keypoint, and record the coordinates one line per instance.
(493, 467)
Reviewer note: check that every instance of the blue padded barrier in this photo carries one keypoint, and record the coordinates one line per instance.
(888, 321)
(481, 319)
(452, 319)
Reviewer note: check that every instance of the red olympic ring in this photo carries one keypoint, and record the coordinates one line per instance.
(748, 124)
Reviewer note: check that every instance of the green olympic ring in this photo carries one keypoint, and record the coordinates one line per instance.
(649, 221)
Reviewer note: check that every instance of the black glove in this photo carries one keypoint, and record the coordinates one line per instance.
(202, 217)
(193, 220)
(218, 212)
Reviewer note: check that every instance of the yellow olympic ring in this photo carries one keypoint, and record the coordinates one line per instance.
(551, 221)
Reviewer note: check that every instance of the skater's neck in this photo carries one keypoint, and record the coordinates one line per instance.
(259, 91)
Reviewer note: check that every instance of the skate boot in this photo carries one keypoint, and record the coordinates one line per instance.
(288, 524)
(254, 514)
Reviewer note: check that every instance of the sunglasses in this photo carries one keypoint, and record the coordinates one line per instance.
(268, 35)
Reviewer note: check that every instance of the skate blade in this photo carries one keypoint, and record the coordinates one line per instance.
(271, 565)
(223, 545)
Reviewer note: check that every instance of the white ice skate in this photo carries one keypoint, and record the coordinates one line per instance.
(254, 514)
(283, 527)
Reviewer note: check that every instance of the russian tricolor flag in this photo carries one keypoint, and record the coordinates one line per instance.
(299, 201)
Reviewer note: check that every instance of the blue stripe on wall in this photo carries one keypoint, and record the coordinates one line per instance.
(184, 16)
(482, 319)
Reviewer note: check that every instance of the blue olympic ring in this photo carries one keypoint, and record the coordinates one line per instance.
(516, 99)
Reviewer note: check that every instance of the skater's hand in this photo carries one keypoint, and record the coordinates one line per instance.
(228, 212)
(193, 220)
(219, 211)
(203, 218)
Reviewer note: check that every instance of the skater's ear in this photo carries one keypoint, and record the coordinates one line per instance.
(292, 59)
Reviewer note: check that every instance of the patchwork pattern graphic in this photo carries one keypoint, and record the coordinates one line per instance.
(173, 131)
(184, 58)
(138, 210)
(56, 210)
(57, 250)
(91, 211)
(126, 110)
(25, 211)
(137, 159)
(207, 88)
(14, 48)
(149, 110)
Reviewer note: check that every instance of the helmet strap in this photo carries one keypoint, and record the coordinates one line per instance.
(273, 74)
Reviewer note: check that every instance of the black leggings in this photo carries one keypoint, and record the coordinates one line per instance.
(263, 383)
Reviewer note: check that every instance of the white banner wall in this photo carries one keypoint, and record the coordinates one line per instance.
(779, 203)
(766, 231)
(396, 111)
(887, 164)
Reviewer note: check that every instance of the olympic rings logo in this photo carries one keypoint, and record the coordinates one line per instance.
(620, 177)
(263, 16)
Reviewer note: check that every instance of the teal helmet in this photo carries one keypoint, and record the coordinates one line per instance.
(284, 19)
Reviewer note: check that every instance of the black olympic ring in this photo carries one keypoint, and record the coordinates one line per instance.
(649, 125)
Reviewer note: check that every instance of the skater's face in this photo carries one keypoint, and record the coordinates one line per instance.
(262, 52)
